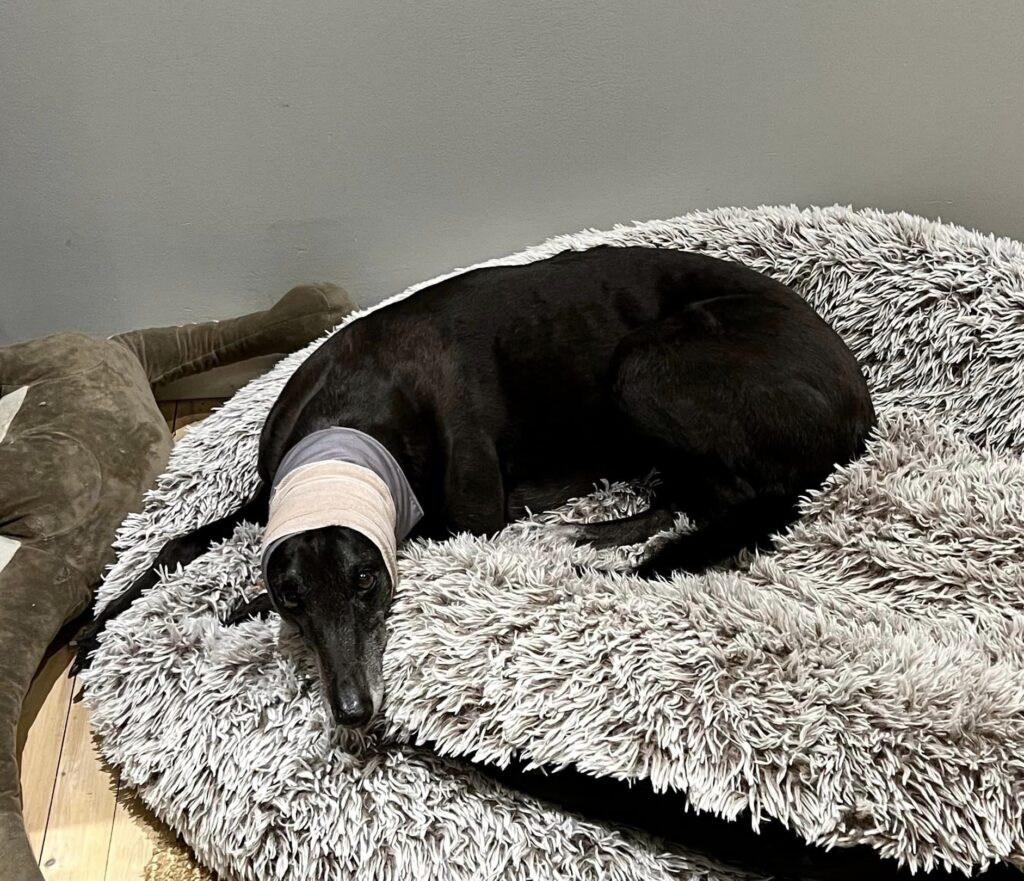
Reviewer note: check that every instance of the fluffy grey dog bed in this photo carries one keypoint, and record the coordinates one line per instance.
(863, 683)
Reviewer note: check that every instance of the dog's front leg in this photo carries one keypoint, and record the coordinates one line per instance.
(474, 489)
(258, 607)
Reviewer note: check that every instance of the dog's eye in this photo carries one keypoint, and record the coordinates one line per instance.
(365, 579)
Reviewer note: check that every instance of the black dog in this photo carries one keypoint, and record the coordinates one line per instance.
(520, 386)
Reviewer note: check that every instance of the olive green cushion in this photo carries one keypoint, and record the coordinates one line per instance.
(81, 438)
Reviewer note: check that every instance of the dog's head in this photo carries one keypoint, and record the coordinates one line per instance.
(332, 584)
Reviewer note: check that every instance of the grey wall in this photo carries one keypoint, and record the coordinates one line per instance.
(163, 162)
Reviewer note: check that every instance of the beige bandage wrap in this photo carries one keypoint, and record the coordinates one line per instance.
(335, 493)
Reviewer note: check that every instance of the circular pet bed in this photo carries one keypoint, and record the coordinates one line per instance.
(863, 683)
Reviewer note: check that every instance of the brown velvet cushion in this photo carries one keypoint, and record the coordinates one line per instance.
(86, 438)
(81, 438)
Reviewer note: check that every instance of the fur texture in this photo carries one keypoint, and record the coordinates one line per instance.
(864, 682)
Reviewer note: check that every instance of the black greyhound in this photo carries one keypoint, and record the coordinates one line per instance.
(520, 386)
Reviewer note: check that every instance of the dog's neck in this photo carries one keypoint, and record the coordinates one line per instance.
(357, 448)
(341, 477)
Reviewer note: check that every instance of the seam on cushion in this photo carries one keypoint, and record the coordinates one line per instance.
(8, 548)
(10, 406)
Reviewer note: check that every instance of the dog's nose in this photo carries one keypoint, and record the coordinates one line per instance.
(352, 708)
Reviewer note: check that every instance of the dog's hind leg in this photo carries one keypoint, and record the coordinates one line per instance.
(724, 450)
(178, 551)
(630, 530)
(745, 527)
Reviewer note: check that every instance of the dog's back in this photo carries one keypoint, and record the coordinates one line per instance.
(531, 353)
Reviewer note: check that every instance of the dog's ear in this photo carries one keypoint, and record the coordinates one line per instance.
(285, 583)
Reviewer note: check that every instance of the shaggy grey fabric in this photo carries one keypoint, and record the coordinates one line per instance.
(863, 683)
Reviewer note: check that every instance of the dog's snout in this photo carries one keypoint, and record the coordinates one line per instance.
(352, 707)
(350, 659)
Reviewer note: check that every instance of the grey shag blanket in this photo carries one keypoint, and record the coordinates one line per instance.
(863, 683)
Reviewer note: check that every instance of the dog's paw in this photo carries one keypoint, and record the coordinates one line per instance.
(565, 531)
(683, 556)
(596, 535)
(648, 571)
(258, 607)
(600, 537)
(85, 644)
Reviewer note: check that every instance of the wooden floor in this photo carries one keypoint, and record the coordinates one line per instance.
(83, 825)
